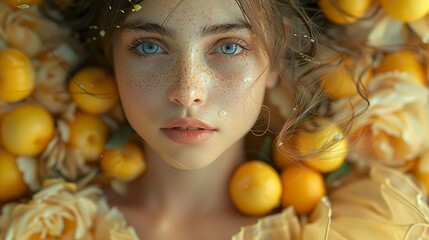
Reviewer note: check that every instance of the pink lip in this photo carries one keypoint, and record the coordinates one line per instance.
(188, 130)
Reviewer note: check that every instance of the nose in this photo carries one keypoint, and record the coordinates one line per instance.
(189, 89)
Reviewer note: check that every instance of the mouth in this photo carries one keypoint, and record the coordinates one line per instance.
(188, 128)
(188, 131)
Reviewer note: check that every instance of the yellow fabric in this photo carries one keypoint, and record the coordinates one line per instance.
(385, 205)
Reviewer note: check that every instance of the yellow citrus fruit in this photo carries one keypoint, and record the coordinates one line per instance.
(27, 130)
(341, 80)
(12, 183)
(255, 188)
(344, 12)
(93, 90)
(16, 75)
(88, 134)
(325, 149)
(405, 10)
(125, 163)
(18, 3)
(303, 188)
(403, 61)
(283, 155)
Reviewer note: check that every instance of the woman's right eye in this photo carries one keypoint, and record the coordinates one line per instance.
(148, 48)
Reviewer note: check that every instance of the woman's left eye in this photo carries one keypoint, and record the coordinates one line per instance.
(229, 48)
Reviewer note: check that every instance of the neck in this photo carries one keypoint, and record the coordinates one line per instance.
(186, 193)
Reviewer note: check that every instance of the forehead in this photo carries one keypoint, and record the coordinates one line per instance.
(187, 11)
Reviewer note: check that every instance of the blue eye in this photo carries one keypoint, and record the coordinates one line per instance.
(229, 48)
(149, 48)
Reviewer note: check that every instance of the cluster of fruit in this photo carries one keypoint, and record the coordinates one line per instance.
(408, 60)
(257, 188)
(344, 12)
(69, 143)
(29, 129)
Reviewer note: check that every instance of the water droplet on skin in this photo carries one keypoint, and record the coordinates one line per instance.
(222, 114)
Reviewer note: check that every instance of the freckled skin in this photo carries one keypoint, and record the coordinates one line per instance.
(188, 80)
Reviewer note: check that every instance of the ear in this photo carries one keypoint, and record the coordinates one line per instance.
(273, 76)
(272, 79)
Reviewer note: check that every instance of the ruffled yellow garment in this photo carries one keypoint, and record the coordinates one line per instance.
(386, 205)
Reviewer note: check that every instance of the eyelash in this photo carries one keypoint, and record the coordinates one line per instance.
(139, 41)
(242, 44)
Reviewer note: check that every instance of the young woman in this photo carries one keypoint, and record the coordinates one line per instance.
(193, 76)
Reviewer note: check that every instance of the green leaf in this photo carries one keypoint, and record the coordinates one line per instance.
(120, 137)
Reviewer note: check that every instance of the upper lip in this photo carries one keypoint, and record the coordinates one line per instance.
(182, 122)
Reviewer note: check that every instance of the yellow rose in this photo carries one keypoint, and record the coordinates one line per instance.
(58, 210)
(63, 212)
(110, 224)
(51, 90)
(29, 30)
(394, 128)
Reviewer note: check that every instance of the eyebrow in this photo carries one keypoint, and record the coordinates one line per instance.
(206, 31)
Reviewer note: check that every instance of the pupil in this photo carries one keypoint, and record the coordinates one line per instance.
(150, 48)
(229, 48)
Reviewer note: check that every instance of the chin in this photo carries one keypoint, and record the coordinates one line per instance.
(188, 162)
(189, 158)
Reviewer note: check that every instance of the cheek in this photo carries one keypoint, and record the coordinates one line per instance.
(240, 92)
(139, 89)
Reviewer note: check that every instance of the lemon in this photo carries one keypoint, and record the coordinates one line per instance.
(326, 148)
(255, 188)
(88, 134)
(16, 75)
(27, 130)
(93, 90)
(125, 163)
(344, 12)
(12, 183)
(342, 80)
(283, 155)
(303, 188)
(404, 61)
(405, 10)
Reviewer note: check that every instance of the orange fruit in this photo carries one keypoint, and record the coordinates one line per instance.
(403, 61)
(325, 149)
(93, 90)
(344, 12)
(16, 75)
(18, 3)
(88, 134)
(303, 188)
(255, 188)
(283, 155)
(125, 163)
(27, 130)
(405, 10)
(12, 183)
(341, 80)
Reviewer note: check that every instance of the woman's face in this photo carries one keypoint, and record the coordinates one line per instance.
(191, 77)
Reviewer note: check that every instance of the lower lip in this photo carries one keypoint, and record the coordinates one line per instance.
(188, 136)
